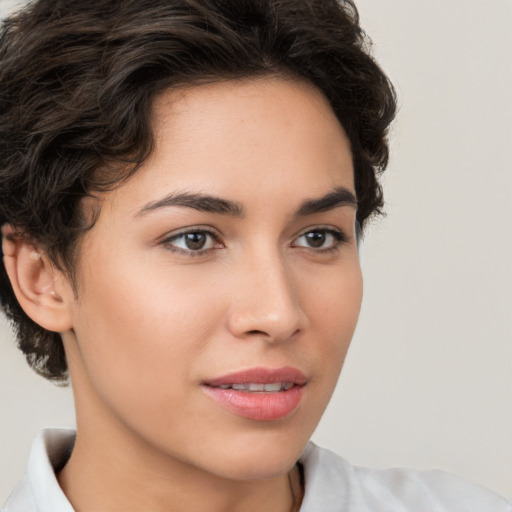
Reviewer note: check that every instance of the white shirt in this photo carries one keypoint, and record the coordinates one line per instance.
(331, 485)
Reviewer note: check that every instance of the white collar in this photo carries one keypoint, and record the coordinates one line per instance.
(39, 490)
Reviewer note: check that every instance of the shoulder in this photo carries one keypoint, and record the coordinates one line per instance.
(333, 484)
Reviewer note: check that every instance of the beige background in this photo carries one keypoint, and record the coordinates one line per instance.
(428, 380)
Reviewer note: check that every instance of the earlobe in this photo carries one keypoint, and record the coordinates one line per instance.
(42, 290)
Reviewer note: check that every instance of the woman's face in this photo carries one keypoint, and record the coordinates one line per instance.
(220, 287)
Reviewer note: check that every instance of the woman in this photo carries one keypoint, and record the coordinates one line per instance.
(184, 185)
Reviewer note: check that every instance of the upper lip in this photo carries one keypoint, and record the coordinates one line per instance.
(260, 376)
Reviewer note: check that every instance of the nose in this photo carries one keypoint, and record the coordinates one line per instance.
(266, 302)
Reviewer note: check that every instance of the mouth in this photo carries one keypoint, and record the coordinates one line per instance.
(259, 394)
(253, 387)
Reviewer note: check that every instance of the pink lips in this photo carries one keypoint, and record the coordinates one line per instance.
(260, 405)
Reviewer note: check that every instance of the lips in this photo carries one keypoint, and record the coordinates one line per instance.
(260, 394)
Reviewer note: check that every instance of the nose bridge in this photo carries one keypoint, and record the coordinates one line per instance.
(267, 303)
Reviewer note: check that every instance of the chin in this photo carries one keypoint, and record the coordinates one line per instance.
(258, 457)
(265, 466)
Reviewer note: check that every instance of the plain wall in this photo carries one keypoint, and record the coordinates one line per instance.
(428, 379)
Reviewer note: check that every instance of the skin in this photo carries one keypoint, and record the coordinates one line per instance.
(151, 321)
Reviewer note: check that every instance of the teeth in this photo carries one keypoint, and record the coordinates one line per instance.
(272, 387)
(241, 387)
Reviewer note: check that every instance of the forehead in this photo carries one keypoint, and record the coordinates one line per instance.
(240, 101)
(243, 140)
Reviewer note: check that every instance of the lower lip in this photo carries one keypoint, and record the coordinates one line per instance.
(259, 406)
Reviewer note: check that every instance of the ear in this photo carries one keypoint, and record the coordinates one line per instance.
(43, 291)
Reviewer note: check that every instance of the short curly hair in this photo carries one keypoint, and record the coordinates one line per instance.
(77, 78)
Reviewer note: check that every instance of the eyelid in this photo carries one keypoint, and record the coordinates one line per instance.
(174, 235)
(322, 227)
(340, 237)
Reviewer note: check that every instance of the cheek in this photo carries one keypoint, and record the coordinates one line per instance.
(140, 329)
(333, 304)
(333, 299)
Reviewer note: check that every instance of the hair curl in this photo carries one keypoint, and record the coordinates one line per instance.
(77, 78)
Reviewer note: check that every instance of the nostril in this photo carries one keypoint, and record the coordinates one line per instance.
(256, 332)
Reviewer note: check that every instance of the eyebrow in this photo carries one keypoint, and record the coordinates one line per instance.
(338, 197)
(197, 201)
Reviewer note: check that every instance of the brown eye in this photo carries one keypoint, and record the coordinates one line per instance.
(192, 242)
(315, 238)
(322, 239)
(195, 241)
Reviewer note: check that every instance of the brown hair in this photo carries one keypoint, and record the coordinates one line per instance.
(76, 82)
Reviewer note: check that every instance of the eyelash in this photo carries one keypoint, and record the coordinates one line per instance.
(167, 242)
(339, 239)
